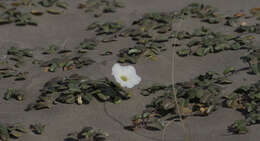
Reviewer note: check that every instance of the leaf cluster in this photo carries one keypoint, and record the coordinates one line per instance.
(13, 93)
(79, 90)
(207, 41)
(66, 63)
(253, 59)
(245, 99)
(199, 96)
(7, 72)
(100, 7)
(88, 134)
(11, 131)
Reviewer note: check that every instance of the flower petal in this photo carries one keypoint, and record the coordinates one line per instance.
(135, 80)
(116, 69)
(129, 72)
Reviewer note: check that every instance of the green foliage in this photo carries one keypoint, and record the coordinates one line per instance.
(212, 42)
(87, 44)
(38, 128)
(206, 13)
(14, 93)
(66, 63)
(249, 29)
(200, 97)
(7, 72)
(239, 127)
(100, 7)
(14, 12)
(88, 134)
(19, 55)
(20, 18)
(253, 59)
(106, 28)
(80, 90)
(11, 131)
(245, 99)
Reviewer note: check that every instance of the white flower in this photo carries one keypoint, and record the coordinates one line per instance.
(125, 75)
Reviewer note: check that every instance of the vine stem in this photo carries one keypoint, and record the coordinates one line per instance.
(174, 92)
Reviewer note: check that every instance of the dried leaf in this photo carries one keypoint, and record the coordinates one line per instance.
(255, 11)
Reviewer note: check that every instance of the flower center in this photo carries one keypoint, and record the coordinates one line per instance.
(124, 78)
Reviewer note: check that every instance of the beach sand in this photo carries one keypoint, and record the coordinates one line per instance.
(70, 29)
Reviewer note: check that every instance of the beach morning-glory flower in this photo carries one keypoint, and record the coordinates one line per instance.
(125, 75)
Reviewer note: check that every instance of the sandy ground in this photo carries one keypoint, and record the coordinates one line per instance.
(64, 119)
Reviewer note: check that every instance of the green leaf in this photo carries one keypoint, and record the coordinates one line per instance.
(239, 127)
(54, 11)
(184, 52)
(63, 5)
(15, 134)
(202, 51)
(47, 3)
(4, 135)
(229, 70)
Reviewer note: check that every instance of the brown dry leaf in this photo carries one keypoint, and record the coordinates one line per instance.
(255, 11)
(81, 6)
(240, 14)
(136, 123)
(68, 68)
(46, 69)
(186, 111)
(203, 110)
(65, 69)
(244, 23)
